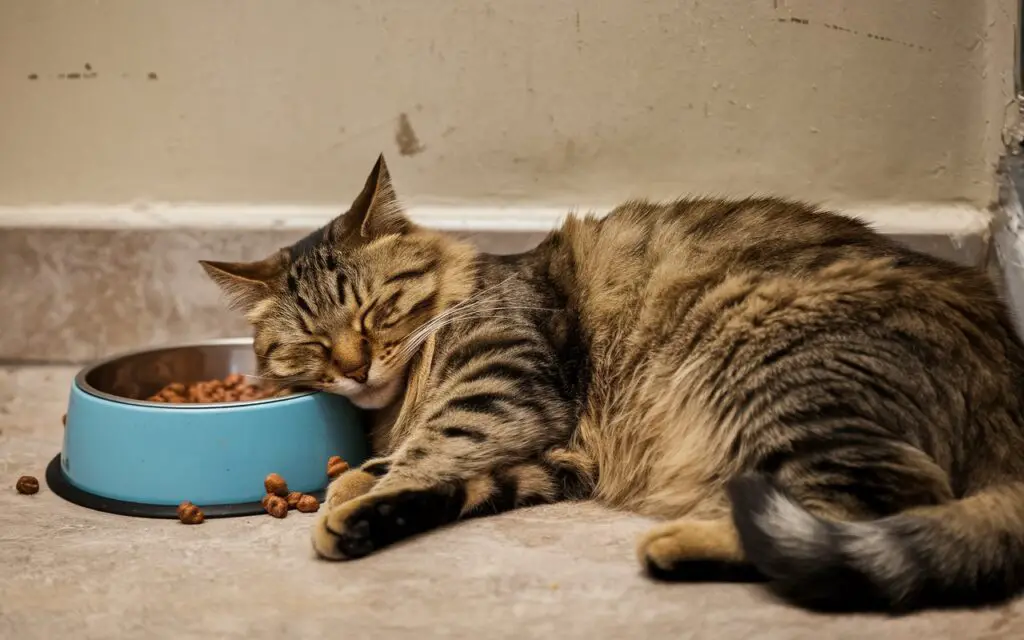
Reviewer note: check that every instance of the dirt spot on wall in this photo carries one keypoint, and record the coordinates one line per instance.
(405, 137)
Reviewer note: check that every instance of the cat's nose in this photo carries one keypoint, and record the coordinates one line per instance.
(358, 374)
(352, 359)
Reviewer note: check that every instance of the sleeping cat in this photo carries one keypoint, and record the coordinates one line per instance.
(800, 399)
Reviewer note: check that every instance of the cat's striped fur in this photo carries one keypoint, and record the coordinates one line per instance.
(801, 399)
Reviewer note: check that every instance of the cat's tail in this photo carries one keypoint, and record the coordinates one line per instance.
(961, 553)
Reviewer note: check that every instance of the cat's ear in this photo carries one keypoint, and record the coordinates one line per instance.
(375, 212)
(247, 284)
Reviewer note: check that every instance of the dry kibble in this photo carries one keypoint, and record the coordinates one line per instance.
(264, 499)
(308, 504)
(293, 499)
(64, 419)
(27, 485)
(189, 513)
(233, 388)
(276, 506)
(276, 485)
(336, 468)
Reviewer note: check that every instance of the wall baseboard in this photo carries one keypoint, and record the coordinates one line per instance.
(901, 219)
(82, 282)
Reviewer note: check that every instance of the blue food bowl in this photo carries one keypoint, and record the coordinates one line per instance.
(129, 456)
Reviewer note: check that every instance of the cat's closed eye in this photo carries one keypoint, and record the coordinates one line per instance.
(318, 346)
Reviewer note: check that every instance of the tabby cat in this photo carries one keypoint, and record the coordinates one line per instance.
(802, 400)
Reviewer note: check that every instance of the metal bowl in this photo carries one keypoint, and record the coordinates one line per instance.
(123, 454)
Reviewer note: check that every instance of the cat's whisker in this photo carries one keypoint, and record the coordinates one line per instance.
(459, 308)
(416, 340)
(472, 303)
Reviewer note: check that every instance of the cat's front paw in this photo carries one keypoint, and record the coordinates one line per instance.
(360, 526)
(335, 538)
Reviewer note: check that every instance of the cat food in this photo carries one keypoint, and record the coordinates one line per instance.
(189, 513)
(308, 504)
(336, 466)
(27, 485)
(232, 388)
(276, 485)
(292, 499)
(279, 499)
(276, 506)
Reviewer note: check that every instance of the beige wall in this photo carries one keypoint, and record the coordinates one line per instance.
(535, 101)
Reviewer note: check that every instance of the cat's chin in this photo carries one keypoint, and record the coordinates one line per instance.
(367, 397)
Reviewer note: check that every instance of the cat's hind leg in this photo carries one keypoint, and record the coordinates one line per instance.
(810, 526)
(694, 550)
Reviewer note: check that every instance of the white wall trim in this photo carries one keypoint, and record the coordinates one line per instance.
(897, 219)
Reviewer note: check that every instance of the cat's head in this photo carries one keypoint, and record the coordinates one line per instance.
(340, 310)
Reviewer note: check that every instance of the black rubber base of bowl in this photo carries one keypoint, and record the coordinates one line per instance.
(60, 485)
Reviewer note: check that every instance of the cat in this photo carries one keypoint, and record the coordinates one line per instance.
(801, 400)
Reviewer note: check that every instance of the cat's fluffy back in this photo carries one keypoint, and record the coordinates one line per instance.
(678, 302)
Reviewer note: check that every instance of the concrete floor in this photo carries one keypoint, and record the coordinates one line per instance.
(564, 571)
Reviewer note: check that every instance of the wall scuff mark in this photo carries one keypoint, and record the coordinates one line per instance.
(865, 34)
(89, 74)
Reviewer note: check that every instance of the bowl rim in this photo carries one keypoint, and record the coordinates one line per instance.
(82, 384)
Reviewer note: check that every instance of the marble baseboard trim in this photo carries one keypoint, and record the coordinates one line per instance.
(74, 291)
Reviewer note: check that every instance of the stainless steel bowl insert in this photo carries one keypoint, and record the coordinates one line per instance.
(132, 377)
